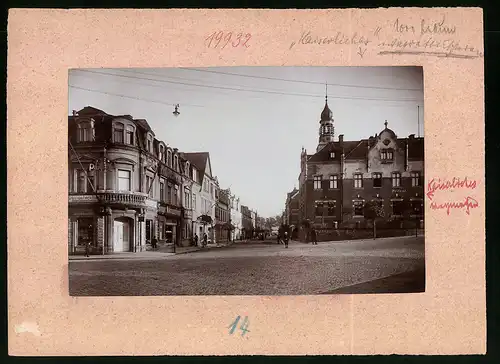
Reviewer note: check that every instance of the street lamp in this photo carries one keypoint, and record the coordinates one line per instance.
(176, 111)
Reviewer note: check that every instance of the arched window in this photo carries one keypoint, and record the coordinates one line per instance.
(169, 158)
(130, 135)
(86, 132)
(187, 169)
(176, 162)
(118, 130)
(161, 153)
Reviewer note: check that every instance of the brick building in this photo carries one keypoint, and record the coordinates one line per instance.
(292, 208)
(338, 179)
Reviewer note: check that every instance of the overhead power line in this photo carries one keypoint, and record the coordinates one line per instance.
(130, 97)
(248, 90)
(300, 81)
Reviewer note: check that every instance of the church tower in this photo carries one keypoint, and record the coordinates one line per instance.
(326, 130)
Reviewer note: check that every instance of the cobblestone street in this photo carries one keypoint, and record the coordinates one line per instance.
(261, 268)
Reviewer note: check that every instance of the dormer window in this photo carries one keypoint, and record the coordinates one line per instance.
(130, 135)
(176, 162)
(161, 153)
(169, 158)
(118, 130)
(149, 145)
(86, 132)
(187, 169)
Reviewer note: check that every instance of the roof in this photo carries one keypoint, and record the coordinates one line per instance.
(358, 150)
(89, 110)
(198, 160)
(326, 114)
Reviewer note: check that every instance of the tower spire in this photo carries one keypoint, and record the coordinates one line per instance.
(326, 92)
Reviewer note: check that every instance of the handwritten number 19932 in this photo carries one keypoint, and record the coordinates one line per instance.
(223, 39)
(243, 326)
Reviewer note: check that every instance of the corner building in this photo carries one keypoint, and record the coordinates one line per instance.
(338, 179)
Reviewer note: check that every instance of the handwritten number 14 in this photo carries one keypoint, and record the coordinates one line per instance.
(243, 326)
(221, 39)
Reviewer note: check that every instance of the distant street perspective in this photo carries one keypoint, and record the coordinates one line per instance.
(257, 267)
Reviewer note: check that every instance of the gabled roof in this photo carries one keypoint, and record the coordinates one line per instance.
(199, 160)
(354, 150)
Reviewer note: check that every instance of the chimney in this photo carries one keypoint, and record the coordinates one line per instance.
(341, 138)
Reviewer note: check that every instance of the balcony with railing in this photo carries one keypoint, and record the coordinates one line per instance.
(132, 199)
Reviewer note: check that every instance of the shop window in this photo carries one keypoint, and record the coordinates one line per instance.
(331, 208)
(397, 208)
(85, 231)
(358, 208)
(377, 180)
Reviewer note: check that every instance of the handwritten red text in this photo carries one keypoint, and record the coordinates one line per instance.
(439, 185)
(467, 204)
(223, 39)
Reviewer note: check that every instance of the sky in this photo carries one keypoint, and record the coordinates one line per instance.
(254, 121)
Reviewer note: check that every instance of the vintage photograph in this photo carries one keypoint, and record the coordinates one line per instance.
(246, 181)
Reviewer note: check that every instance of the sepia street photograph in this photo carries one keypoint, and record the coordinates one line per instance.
(246, 181)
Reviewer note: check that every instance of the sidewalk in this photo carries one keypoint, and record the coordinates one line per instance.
(160, 253)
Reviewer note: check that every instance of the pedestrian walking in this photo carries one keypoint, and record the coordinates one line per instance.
(285, 239)
(313, 237)
(87, 248)
(205, 239)
(154, 243)
(195, 239)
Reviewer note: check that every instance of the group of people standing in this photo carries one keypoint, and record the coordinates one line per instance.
(283, 238)
(204, 241)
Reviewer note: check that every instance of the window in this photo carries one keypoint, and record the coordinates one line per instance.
(416, 207)
(194, 175)
(161, 153)
(358, 208)
(317, 182)
(123, 180)
(162, 191)
(90, 183)
(205, 185)
(118, 133)
(386, 155)
(212, 189)
(169, 158)
(396, 179)
(176, 195)
(332, 155)
(187, 173)
(81, 181)
(377, 180)
(319, 209)
(358, 180)
(186, 199)
(149, 186)
(193, 205)
(334, 182)
(415, 179)
(397, 207)
(331, 208)
(86, 132)
(176, 162)
(169, 193)
(129, 136)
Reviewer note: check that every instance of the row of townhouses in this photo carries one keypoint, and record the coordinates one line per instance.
(340, 177)
(127, 187)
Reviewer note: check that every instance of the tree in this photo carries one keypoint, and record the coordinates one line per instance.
(373, 210)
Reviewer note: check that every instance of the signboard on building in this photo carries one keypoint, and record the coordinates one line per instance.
(82, 198)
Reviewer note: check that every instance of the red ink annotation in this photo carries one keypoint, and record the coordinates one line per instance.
(436, 184)
(467, 204)
(222, 40)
